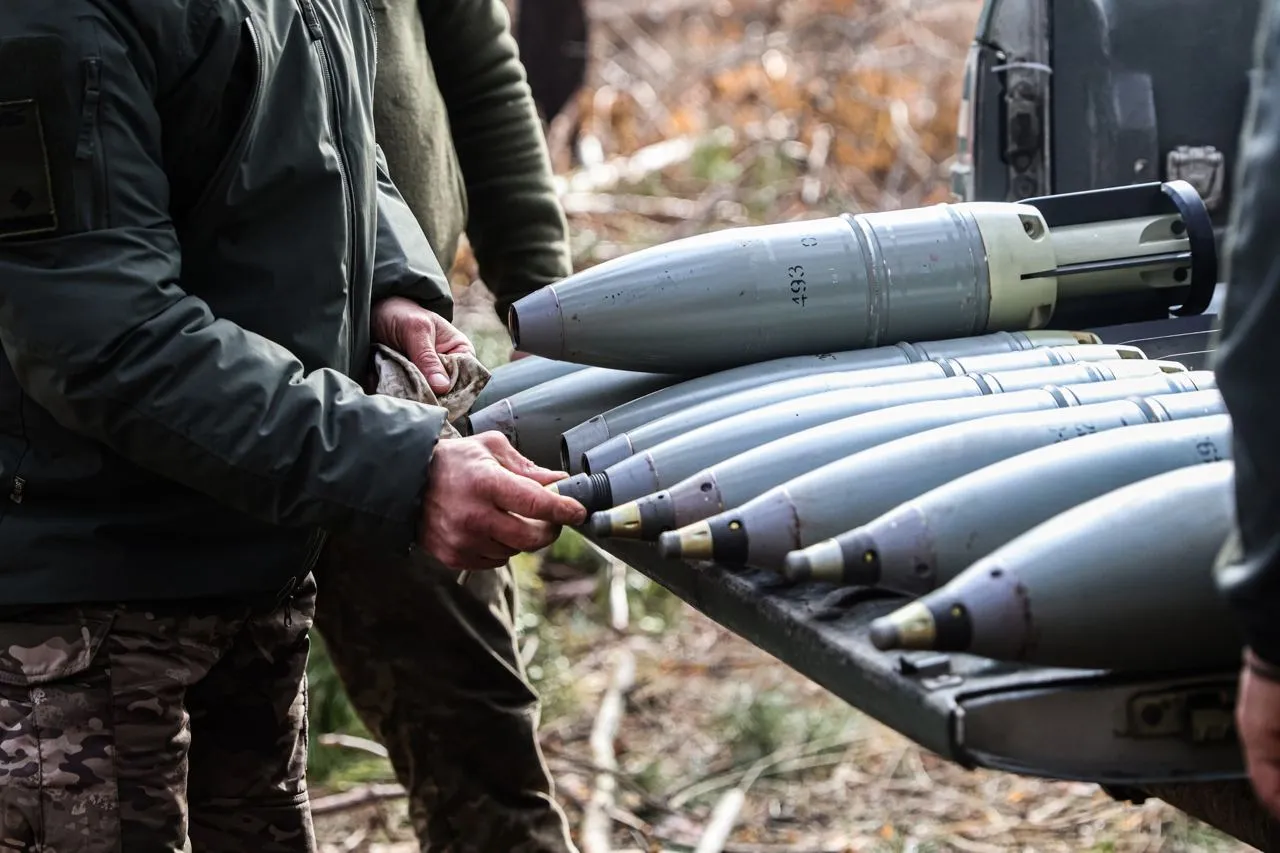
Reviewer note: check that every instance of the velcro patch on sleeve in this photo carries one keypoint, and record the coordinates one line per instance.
(26, 187)
(40, 95)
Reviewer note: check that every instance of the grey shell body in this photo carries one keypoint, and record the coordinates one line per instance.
(1122, 581)
(971, 516)
(516, 376)
(686, 395)
(534, 418)
(777, 290)
(674, 460)
(880, 459)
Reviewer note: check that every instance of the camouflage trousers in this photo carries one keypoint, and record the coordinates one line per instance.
(430, 662)
(155, 728)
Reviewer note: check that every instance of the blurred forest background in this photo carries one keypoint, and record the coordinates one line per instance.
(699, 115)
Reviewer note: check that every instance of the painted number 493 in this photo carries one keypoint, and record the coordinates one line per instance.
(796, 274)
(798, 286)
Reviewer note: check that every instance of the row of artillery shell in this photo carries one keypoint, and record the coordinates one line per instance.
(1034, 497)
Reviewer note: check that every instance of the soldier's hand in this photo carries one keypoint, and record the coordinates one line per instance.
(420, 335)
(486, 503)
(1258, 723)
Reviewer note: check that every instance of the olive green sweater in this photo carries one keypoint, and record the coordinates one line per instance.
(464, 142)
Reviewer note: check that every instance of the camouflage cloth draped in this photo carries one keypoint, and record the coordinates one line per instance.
(430, 661)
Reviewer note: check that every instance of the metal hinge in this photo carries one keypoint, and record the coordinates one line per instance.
(1024, 139)
(932, 671)
(1202, 166)
(19, 487)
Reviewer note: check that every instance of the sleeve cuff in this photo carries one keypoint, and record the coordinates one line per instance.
(1261, 667)
(396, 472)
(1249, 582)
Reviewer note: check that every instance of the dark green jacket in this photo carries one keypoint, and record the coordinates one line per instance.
(464, 142)
(1248, 356)
(194, 220)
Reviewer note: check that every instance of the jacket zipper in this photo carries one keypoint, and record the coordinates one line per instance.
(312, 20)
(339, 141)
(373, 31)
(17, 484)
(88, 144)
(317, 545)
(284, 598)
(230, 157)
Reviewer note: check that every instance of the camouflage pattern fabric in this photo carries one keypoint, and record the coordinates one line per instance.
(430, 661)
(171, 727)
(396, 376)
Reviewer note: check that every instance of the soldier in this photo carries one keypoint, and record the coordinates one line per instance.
(463, 139)
(430, 660)
(199, 241)
(552, 35)
(1248, 357)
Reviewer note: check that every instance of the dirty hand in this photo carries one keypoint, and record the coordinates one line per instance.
(1258, 722)
(485, 503)
(420, 335)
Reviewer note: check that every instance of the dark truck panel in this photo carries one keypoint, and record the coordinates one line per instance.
(1139, 85)
(1069, 95)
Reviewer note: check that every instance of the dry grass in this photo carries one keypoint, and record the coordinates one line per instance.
(705, 114)
(707, 705)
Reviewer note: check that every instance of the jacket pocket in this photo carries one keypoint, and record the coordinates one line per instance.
(90, 173)
(56, 731)
(234, 152)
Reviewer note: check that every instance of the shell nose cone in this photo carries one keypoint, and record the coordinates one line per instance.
(591, 492)
(797, 567)
(670, 546)
(602, 523)
(688, 543)
(622, 522)
(536, 324)
(885, 635)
